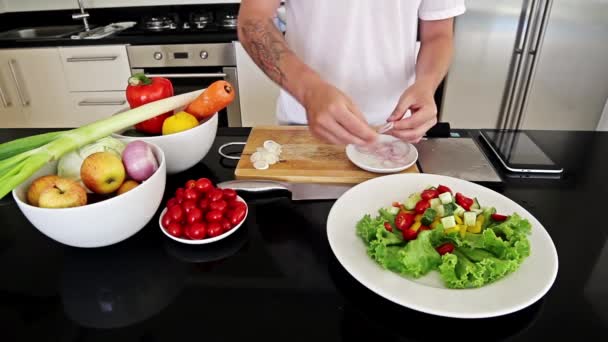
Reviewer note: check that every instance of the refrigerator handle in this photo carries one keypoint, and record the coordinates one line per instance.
(506, 116)
(533, 61)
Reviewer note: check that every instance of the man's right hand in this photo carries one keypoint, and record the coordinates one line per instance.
(334, 118)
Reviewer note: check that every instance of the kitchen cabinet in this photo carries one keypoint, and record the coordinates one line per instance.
(34, 86)
(258, 93)
(61, 87)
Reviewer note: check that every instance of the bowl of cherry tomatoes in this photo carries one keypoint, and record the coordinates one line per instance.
(200, 213)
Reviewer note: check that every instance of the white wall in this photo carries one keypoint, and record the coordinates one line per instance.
(2, 6)
(39, 5)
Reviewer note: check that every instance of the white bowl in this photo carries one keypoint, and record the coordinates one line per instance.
(208, 240)
(98, 224)
(185, 149)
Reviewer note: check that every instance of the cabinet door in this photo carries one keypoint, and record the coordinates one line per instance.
(96, 68)
(12, 113)
(88, 107)
(258, 94)
(40, 84)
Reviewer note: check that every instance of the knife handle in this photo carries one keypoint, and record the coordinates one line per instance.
(255, 186)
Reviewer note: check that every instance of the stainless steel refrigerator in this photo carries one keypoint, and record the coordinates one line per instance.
(529, 64)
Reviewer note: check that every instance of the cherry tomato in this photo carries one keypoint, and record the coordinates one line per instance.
(226, 226)
(191, 194)
(396, 204)
(214, 229)
(188, 205)
(237, 204)
(197, 231)
(499, 217)
(409, 234)
(464, 201)
(176, 213)
(191, 184)
(404, 220)
(447, 247)
(215, 195)
(171, 202)
(175, 229)
(429, 194)
(229, 195)
(179, 193)
(195, 215)
(220, 206)
(442, 188)
(213, 216)
(203, 185)
(203, 204)
(388, 226)
(237, 215)
(422, 205)
(422, 228)
(166, 220)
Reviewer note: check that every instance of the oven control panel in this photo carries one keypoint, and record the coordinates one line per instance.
(152, 56)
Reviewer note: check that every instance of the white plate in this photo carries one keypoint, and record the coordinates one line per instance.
(514, 292)
(203, 241)
(362, 161)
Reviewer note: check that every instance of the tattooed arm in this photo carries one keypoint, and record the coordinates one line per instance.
(332, 116)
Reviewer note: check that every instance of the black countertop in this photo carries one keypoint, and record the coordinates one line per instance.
(277, 280)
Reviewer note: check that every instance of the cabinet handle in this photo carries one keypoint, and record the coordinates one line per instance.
(203, 75)
(102, 103)
(5, 103)
(92, 59)
(13, 66)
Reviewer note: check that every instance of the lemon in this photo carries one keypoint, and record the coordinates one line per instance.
(179, 122)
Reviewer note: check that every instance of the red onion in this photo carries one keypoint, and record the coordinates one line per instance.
(139, 160)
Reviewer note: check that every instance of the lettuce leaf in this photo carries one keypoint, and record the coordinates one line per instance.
(458, 270)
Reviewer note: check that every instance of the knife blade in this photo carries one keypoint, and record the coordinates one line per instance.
(299, 191)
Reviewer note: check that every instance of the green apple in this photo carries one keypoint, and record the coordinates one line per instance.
(65, 193)
(102, 172)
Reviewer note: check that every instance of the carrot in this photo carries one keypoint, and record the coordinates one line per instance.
(215, 98)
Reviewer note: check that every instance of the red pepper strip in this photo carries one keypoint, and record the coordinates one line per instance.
(499, 217)
(447, 247)
(388, 226)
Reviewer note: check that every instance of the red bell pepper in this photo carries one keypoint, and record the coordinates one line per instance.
(499, 217)
(142, 90)
(464, 201)
(447, 247)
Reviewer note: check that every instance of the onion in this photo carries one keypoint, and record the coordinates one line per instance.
(139, 160)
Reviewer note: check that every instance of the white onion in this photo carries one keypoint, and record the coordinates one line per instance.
(139, 160)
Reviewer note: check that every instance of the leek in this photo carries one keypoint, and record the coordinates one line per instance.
(21, 158)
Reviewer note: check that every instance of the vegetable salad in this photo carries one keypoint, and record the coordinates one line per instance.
(469, 245)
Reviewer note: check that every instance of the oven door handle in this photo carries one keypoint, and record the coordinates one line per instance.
(202, 75)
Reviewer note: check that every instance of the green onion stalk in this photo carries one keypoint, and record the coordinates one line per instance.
(21, 158)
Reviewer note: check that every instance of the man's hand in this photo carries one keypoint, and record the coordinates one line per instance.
(418, 99)
(334, 118)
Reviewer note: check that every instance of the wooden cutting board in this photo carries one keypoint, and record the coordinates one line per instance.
(304, 159)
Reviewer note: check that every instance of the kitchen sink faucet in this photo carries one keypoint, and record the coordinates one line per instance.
(82, 15)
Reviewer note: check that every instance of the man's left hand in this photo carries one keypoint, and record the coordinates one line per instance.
(419, 100)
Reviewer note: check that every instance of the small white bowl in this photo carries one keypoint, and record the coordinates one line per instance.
(208, 240)
(185, 149)
(98, 224)
(357, 158)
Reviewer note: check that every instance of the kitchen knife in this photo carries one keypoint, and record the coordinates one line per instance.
(299, 191)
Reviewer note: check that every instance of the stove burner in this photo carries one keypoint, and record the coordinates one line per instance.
(160, 23)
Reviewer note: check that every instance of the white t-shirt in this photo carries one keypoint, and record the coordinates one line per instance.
(366, 48)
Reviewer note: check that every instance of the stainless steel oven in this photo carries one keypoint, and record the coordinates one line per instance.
(191, 67)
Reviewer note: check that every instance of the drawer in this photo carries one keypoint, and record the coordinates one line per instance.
(96, 68)
(85, 108)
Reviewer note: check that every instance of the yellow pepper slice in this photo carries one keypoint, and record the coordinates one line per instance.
(463, 231)
(418, 218)
(458, 219)
(415, 226)
(452, 230)
(476, 229)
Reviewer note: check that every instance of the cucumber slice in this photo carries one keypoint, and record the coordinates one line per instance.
(470, 218)
(411, 201)
(445, 198)
(448, 222)
(392, 210)
(459, 211)
(440, 210)
(435, 202)
(475, 204)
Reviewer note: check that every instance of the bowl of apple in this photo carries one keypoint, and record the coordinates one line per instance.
(96, 196)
